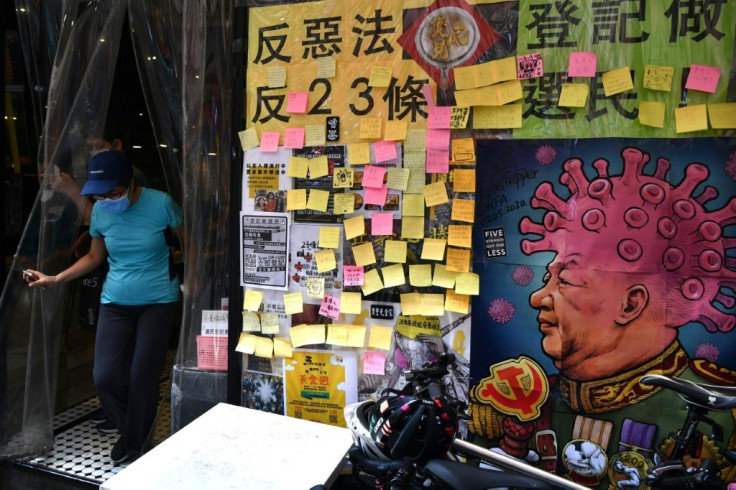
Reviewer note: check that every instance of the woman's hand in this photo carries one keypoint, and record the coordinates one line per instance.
(38, 279)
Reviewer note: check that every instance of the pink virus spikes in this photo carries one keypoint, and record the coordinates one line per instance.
(640, 224)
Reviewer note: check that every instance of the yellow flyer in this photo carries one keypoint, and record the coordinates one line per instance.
(320, 384)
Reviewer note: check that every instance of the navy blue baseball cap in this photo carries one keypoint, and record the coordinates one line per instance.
(106, 170)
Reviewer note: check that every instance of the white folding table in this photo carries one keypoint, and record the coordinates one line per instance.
(235, 447)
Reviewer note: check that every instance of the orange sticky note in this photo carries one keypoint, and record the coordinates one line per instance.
(463, 210)
(458, 259)
(370, 128)
(460, 236)
(463, 180)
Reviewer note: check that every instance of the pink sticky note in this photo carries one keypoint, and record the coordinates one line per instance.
(294, 138)
(582, 64)
(428, 95)
(330, 307)
(438, 139)
(374, 362)
(353, 275)
(439, 117)
(270, 141)
(297, 103)
(373, 176)
(376, 195)
(438, 161)
(384, 151)
(703, 78)
(529, 66)
(382, 224)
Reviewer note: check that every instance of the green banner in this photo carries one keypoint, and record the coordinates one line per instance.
(625, 33)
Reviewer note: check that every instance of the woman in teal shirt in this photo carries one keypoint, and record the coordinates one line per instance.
(139, 296)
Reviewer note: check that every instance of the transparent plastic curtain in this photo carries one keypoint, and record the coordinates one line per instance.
(33, 321)
(39, 24)
(156, 33)
(207, 117)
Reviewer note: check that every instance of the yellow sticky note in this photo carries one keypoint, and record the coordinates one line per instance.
(359, 154)
(325, 261)
(435, 194)
(433, 249)
(411, 304)
(467, 98)
(651, 114)
(417, 177)
(270, 323)
(508, 91)
(413, 205)
(356, 336)
(442, 277)
(395, 131)
(343, 178)
(296, 199)
(658, 77)
(354, 226)
(463, 210)
(370, 128)
(433, 304)
(508, 116)
(412, 228)
(314, 135)
(380, 337)
(298, 167)
(316, 287)
(371, 282)
(397, 178)
(458, 259)
(350, 302)
(307, 334)
(318, 200)
(459, 117)
(460, 236)
(722, 116)
(293, 303)
(503, 69)
(251, 322)
(252, 300)
(364, 254)
(416, 141)
(393, 275)
(326, 67)
(467, 283)
(247, 343)
(617, 81)
(463, 180)
(464, 77)
(344, 203)
(463, 150)
(318, 167)
(484, 118)
(456, 302)
(329, 237)
(420, 275)
(573, 95)
(264, 348)
(282, 347)
(395, 251)
(337, 334)
(277, 76)
(249, 139)
(691, 118)
(380, 76)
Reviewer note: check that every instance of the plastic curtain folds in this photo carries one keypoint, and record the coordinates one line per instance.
(39, 23)
(156, 33)
(33, 321)
(207, 114)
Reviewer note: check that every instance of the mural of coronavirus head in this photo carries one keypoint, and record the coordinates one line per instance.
(635, 258)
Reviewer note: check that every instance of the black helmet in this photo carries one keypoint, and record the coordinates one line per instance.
(411, 428)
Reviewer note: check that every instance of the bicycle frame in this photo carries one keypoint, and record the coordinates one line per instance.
(510, 464)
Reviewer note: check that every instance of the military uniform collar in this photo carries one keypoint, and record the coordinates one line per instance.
(623, 389)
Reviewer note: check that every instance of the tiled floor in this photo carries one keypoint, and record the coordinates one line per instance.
(82, 452)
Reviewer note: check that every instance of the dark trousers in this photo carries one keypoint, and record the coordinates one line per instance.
(130, 353)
